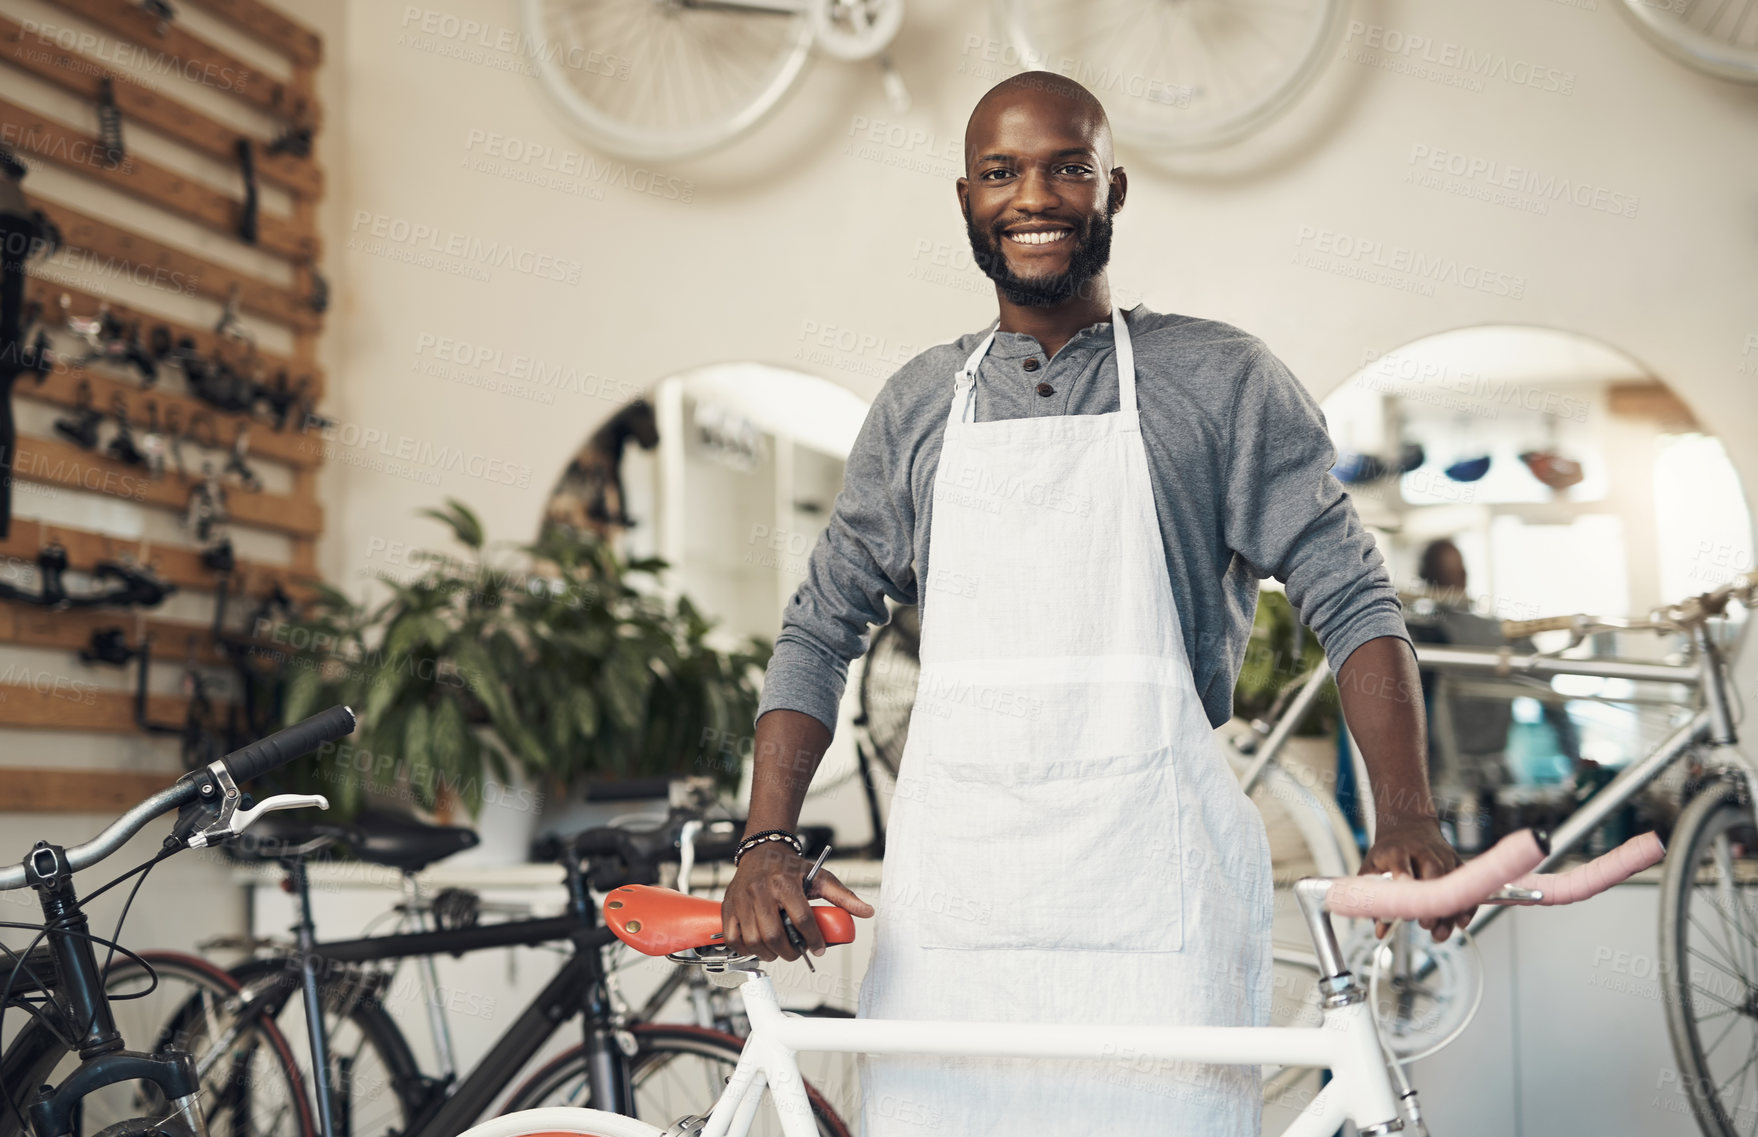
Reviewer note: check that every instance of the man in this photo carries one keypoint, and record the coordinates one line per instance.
(1082, 502)
(1471, 763)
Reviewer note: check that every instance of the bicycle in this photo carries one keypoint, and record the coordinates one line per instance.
(61, 986)
(1173, 77)
(1368, 1085)
(1716, 862)
(365, 1076)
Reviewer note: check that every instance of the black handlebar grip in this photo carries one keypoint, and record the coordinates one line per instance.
(283, 746)
(600, 842)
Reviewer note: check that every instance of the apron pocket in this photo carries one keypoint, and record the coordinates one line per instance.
(1075, 855)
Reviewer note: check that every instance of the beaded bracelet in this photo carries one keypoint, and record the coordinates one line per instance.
(764, 837)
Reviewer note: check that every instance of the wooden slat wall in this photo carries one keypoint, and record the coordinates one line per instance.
(34, 134)
(86, 304)
(172, 268)
(268, 25)
(49, 461)
(25, 789)
(289, 447)
(180, 565)
(216, 67)
(141, 104)
(97, 244)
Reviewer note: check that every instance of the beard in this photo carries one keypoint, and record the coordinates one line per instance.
(1092, 252)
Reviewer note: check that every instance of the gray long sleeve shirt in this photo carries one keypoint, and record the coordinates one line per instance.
(1240, 462)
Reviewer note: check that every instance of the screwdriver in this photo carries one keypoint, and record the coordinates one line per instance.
(793, 933)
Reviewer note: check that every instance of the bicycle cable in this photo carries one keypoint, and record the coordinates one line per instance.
(1373, 984)
(6, 997)
(112, 944)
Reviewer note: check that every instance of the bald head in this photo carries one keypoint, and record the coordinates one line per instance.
(1050, 101)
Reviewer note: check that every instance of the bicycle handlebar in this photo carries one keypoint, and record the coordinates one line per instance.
(1665, 618)
(1596, 875)
(248, 762)
(1511, 860)
(288, 743)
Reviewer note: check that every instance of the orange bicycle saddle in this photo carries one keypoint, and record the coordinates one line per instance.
(658, 921)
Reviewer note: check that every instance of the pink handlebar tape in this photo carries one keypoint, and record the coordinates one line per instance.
(1511, 860)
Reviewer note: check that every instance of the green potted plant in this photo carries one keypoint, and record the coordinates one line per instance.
(550, 663)
(1281, 651)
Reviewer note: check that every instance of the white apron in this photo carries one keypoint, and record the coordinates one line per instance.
(1066, 843)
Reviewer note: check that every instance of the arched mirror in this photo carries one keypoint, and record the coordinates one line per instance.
(1514, 472)
(728, 473)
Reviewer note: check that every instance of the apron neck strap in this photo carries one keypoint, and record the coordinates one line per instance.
(1125, 362)
(963, 407)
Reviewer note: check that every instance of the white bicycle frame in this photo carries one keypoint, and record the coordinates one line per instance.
(1346, 1042)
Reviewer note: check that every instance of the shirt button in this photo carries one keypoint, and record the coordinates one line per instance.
(1030, 365)
(1046, 390)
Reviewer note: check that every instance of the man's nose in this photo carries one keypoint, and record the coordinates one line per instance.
(1036, 192)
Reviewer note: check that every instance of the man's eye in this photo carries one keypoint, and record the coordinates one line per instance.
(999, 170)
(1077, 170)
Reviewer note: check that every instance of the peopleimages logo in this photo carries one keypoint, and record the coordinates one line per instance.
(1490, 174)
(1402, 262)
(466, 249)
(129, 57)
(341, 438)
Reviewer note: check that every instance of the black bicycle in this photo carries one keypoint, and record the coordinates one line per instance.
(68, 1072)
(367, 1081)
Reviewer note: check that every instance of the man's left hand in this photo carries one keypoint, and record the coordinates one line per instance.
(1415, 848)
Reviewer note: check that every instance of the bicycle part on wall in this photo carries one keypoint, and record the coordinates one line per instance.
(623, 96)
(589, 498)
(1180, 76)
(132, 586)
(24, 234)
(853, 30)
(1719, 38)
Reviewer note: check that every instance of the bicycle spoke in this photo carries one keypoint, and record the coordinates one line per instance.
(1725, 953)
(1712, 963)
(1732, 1023)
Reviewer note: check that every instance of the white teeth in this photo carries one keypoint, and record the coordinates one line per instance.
(1042, 237)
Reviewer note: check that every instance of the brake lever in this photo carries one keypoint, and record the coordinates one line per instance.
(233, 820)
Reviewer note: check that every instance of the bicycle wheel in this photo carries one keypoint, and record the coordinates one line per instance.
(1179, 74)
(1719, 38)
(657, 81)
(1709, 956)
(376, 1083)
(250, 1086)
(560, 1121)
(889, 673)
(677, 1071)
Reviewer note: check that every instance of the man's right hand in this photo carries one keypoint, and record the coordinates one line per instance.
(768, 883)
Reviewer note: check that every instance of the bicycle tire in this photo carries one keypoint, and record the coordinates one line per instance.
(1144, 79)
(407, 1087)
(1726, 50)
(887, 693)
(1712, 815)
(564, 1075)
(136, 1127)
(580, 93)
(562, 1121)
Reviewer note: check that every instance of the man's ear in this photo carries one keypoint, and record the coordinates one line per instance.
(963, 187)
(1119, 188)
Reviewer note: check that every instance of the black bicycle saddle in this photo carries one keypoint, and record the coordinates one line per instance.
(398, 840)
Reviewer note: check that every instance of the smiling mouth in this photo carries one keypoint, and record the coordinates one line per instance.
(1037, 236)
